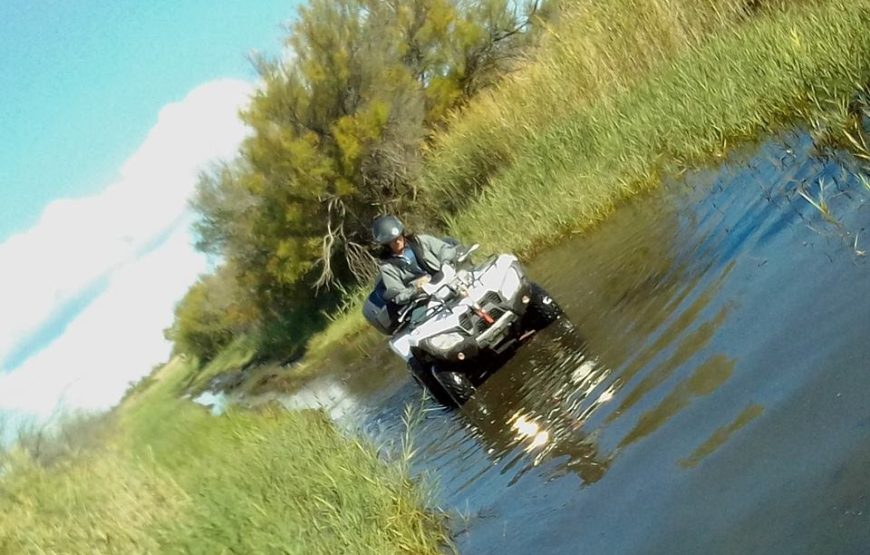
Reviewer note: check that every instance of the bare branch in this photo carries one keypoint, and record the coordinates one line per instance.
(333, 239)
(360, 261)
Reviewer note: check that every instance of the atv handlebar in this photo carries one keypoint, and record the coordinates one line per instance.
(444, 279)
(468, 252)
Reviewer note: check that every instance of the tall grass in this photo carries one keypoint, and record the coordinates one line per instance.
(599, 49)
(626, 91)
(99, 502)
(622, 93)
(175, 480)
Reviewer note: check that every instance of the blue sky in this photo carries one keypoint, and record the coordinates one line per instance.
(82, 81)
(108, 111)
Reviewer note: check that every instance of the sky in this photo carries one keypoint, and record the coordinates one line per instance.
(108, 113)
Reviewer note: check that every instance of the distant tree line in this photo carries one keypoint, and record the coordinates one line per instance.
(339, 127)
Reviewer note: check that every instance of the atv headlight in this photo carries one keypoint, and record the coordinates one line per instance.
(445, 341)
(511, 283)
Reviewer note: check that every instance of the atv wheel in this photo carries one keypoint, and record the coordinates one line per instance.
(449, 387)
(542, 311)
(456, 384)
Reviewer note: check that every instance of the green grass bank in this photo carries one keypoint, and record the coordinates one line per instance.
(623, 93)
(170, 478)
(571, 153)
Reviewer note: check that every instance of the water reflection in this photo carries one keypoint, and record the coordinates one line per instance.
(327, 394)
(537, 408)
(722, 435)
(705, 379)
(216, 402)
(534, 409)
(648, 306)
(688, 347)
(723, 325)
(526, 428)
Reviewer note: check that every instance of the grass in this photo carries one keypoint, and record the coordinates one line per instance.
(598, 51)
(819, 203)
(238, 354)
(621, 93)
(856, 139)
(625, 92)
(173, 479)
(683, 109)
(347, 335)
(246, 371)
(102, 502)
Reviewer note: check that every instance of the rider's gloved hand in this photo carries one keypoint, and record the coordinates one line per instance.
(421, 281)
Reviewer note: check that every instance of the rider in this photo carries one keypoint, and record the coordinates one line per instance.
(407, 260)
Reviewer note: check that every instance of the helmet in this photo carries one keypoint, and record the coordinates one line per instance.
(386, 228)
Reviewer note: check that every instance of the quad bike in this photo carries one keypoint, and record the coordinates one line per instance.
(465, 320)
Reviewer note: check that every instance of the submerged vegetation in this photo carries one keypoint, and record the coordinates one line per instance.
(167, 477)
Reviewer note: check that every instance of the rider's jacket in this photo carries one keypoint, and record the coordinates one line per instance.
(398, 273)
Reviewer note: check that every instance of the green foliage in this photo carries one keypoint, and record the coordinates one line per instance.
(100, 502)
(46, 442)
(617, 93)
(622, 92)
(209, 316)
(340, 123)
(338, 130)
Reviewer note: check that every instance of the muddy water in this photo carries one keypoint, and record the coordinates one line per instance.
(715, 400)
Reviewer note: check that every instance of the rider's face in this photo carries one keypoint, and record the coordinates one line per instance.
(397, 245)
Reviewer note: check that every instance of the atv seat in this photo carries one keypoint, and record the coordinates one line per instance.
(381, 313)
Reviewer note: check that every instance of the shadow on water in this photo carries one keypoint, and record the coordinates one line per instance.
(716, 398)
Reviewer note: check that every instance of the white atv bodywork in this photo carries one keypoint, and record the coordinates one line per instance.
(454, 293)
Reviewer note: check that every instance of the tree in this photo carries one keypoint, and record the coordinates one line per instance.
(338, 129)
(212, 312)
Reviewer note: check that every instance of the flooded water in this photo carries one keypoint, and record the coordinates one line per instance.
(715, 400)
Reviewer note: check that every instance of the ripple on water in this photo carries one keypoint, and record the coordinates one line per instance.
(713, 397)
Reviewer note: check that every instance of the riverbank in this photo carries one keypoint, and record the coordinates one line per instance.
(612, 104)
(804, 63)
(169, 477)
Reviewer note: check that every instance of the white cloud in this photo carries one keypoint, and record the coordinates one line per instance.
(114, 341)
(78, 241)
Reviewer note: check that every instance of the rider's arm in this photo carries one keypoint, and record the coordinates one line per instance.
(395, 289)
(442, 250)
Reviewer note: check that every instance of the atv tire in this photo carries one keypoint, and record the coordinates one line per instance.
(456, 384)
(449, 387)
(542, 311)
